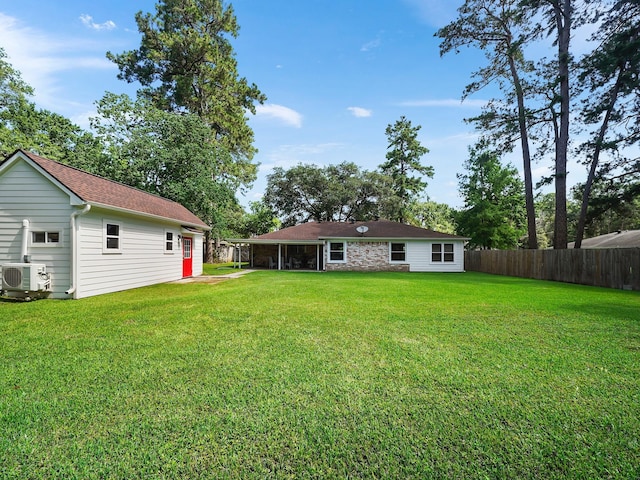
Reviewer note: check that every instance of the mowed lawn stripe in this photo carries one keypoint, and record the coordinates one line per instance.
(287, 374)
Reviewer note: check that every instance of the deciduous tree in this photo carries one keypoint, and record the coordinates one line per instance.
(493, 215)
(166, 153)
(433, 215)
(333, 193)
(23, 125)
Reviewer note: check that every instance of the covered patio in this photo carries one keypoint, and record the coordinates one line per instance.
(283, 255)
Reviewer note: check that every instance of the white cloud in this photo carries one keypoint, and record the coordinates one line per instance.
(41, 58)
(360, 112)
(284, 114)
(446, 102)
(87, 20)
(370, 45)
(83, 119)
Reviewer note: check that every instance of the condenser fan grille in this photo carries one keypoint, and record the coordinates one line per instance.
(12, 276)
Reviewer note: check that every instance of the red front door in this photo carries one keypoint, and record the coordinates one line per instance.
(187, 261)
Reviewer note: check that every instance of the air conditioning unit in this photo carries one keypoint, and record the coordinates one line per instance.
(25, 277)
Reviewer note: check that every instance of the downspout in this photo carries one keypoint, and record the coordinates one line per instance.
(74, 247)
(25, 241)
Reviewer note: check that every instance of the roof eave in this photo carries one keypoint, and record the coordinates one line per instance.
(149, 215)
(271, 241)
(384, 239)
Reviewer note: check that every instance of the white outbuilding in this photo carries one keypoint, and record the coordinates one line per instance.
(65, 233)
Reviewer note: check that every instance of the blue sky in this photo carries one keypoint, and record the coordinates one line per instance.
(336, 73)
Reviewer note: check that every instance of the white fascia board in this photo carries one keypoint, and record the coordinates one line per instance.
(274, 242)
(395, 239)
(148, 215)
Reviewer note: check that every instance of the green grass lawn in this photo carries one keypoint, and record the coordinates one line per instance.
(324, 375)
(221, 268)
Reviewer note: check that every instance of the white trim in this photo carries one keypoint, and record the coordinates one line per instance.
(110, 250)
(150, 215)
(173, 240)
(344, 252)
(443, 253)
(46, 243)
(404, 250)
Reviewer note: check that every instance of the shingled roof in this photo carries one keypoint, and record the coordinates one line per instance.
(93, 189)
(379, 229)
(620, 239)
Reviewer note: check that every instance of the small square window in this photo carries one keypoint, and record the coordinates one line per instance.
(113, 229)
(113, 242)
(38, 237)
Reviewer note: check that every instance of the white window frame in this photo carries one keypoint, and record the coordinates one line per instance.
(391, 252)
(172, 242)
(48, 235)
(106, 236)
(344, 251)
(444, 253)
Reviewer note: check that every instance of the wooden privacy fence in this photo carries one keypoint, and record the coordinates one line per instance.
(613, 267)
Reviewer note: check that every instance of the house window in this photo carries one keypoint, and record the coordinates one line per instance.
(168, 242)
(45, 238)
(112, 237)
(398, 252)
(442, 252)
(337, 252)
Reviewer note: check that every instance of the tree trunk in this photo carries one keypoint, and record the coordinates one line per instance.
(532, 242)
(582, 220)
(563, 15)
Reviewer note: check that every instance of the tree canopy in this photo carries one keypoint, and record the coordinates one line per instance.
(404, 152)
(333, 193)
(23, 125)
(493, 215)
(500, 28)
(610, 75)
(186, 63)
(165, 153)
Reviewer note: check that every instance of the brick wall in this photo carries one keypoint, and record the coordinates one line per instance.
(367, 257)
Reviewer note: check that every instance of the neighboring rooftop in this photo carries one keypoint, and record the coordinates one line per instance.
(619, 239)
(94, 189)
(311, 231)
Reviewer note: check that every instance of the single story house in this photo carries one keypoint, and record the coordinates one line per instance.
(358, 246)
(66, 233)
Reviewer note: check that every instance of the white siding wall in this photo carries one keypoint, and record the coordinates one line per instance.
(25, 194)
(197, 254)
(419, 257)
(142, 260)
